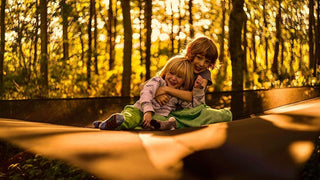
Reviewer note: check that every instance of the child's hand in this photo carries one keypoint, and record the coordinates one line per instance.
(163, 99)
(147, 117)
(200, 83)
(161, 96)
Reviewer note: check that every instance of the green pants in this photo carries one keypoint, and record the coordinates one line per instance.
(133, 118)
(200, 115)
(194, 117)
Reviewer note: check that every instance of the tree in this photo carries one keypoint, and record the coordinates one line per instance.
(89, 54)
(317, 54)
(2, 43)
(44, 49)
(236, 52)
(191, 19)
(275, 64)
(148, 15)
(127, 49)
(265, 33)
(65, 15)
(311, 34)
(111, 34)
(95, 38)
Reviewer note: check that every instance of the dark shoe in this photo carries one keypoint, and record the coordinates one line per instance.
(170, 124)
(112, 122)
(96, 124)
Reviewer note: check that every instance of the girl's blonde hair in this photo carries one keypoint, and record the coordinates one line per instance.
(181, 67)
(203, 46)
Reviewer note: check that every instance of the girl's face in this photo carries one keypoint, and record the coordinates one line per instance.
(173, 80)
(200, 63)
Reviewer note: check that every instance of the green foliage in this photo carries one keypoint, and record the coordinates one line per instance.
(17, 164)
(68, 77)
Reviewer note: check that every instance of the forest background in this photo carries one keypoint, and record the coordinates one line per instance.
(95, 48)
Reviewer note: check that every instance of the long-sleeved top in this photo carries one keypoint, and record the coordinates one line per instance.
(147, 101)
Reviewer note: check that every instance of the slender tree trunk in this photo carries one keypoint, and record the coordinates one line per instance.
(82, 45)
(89, 54)
(179, 26)
(253, 41)
(292, 56)
(44, 49)
(127, 49)
(245, 47)
(317, 55)
(237, 54)
(140, 37)
(223, 33)
(275, 64)
(36, 29)
(223, 70)
(171, 35)
(148, 17)
(2, 44)
(95, 39)
(245, 43)
(265, 33)
(310, 34)
(65, 15)
(191, 19)
(110, 35)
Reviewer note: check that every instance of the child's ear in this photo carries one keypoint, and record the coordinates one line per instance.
(211, 66)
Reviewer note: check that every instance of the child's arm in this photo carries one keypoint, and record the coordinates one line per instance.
(147, 117)
(199, 91)
(148, 93)
(181, 94)
(200, 83)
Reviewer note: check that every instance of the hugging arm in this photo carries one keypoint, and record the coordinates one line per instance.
(195, 97)
(181, 94)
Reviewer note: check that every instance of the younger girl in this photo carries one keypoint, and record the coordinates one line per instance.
(176, 74)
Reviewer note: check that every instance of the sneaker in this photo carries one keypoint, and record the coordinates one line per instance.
(170, 124)
(112, 122)
(96, 124)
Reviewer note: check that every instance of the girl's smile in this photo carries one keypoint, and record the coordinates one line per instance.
(173, 80)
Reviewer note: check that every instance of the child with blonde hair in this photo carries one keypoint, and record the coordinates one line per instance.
(147, 112)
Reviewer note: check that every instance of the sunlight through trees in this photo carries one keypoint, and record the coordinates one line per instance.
(94, 48)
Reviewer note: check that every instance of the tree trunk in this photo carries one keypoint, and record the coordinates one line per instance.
(179, 26)
(223, 69)
(95, 36)
(65, 16)
(310, 34)
(127, 48)
(89, 54)
(223, 33)
(148, 17)
(265, 33)
(317, 55)
(275, 64)
(111, 33)
(36, 28)
(171, 35)
(237, 54)
(44, 50)
(2, 44)
(253, 41)
(140, 37)
(191, 19)
(245, 47)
